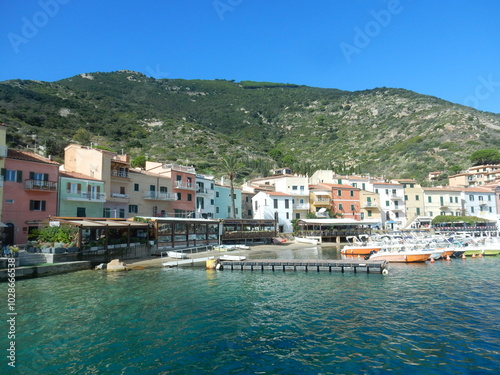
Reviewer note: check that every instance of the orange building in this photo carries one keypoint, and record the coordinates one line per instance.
(344, 199)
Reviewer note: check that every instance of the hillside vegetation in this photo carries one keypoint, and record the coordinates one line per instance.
(384, 131)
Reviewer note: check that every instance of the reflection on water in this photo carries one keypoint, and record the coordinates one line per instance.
(421, 318)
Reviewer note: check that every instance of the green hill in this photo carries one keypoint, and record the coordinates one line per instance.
(394, 132)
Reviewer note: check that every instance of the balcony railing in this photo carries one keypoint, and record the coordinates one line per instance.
(180, 168)
(118, 195)
(301, 206)
(184, 185)
(153, 195)
(40, 185)
(86, 196)
(322, 200)
(123, 174)
(201, 190)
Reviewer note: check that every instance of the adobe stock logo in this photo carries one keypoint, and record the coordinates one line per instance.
(31, 26)
(223, 6)
(363, 36)
(483, 91)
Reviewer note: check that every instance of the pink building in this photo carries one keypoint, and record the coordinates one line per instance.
(29, 194)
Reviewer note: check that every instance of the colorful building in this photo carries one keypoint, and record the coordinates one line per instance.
(29, 194)
(80, 195)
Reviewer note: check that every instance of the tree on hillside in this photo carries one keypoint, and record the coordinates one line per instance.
(486, 156)
(232, 167)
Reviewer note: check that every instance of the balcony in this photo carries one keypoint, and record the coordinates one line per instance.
(395, 196)
(301, 206)
(155, 196)
(369, 204)
(298, 192)
(86, 197)
(200, 190)
(321, 201)
(119, 197)
(179, 168)
(184, 185)
(120, 174)
(40, 185)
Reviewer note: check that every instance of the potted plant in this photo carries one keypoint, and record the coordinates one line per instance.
(14, 250)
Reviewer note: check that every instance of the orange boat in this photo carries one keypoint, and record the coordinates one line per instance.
(359, 250)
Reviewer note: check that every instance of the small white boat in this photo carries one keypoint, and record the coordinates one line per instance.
(313, 241)
(241, 247)
(224, 247)
(177, 254)
(232, 257)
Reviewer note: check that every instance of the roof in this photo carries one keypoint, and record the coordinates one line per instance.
(277, 193)
(80, 176)
(338, 221)
(28, 156)
(478, 190)
(444, 189)
(338, 186)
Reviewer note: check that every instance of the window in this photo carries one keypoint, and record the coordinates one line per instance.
(190, 197)
(354, 184)
(288, 215)
(363, 186)
(287, 204)
(418, 210)
(256, 205)
(80, 212)
(295, 187)
(406, 197)
(275, 203)
(352, 208)
(216, 194)
(163, 189)
(136, 187)
(37, 205)
(472, 209)
(339, 193)
(412, 185)
(369, 212)
(352, 193)
(341, 208)
(429, 199)
(471, 198)
(456, 199)
(249, 213)
(387, 203)
(122, 190)
(12, 176)
(122, 213)
(297, 216)
(133, 209)
(376, 191)
(107, 212)
(216, 210)
(179, 196)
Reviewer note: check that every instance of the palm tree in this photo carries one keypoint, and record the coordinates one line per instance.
(231, 167)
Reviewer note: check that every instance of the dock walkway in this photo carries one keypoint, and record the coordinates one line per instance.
(374, 266)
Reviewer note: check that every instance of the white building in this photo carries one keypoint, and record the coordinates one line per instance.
(392, 204)
(205, 197)
(274, 206)
(480, 202)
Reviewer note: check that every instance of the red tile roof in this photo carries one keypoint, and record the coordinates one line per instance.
(28, 156)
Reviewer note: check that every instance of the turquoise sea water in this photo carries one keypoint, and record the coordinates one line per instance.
(441, 318)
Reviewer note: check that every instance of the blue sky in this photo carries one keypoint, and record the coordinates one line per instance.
(448, 49)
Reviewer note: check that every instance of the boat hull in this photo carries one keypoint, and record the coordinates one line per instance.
(353, 250)
(400, 257)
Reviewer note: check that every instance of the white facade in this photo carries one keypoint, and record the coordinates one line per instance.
(205, 197)
(480, 202)
(274, 206)
(392, 204)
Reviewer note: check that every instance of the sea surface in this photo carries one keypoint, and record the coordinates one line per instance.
(440, 318)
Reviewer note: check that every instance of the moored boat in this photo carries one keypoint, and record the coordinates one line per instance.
(401, 254)
(279, 240)
(177, 254)
(312, 241)
(232, 257)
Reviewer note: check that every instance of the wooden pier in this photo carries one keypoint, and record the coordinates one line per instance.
(374, 266)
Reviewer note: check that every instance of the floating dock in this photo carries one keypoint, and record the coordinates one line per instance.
(343, 265)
